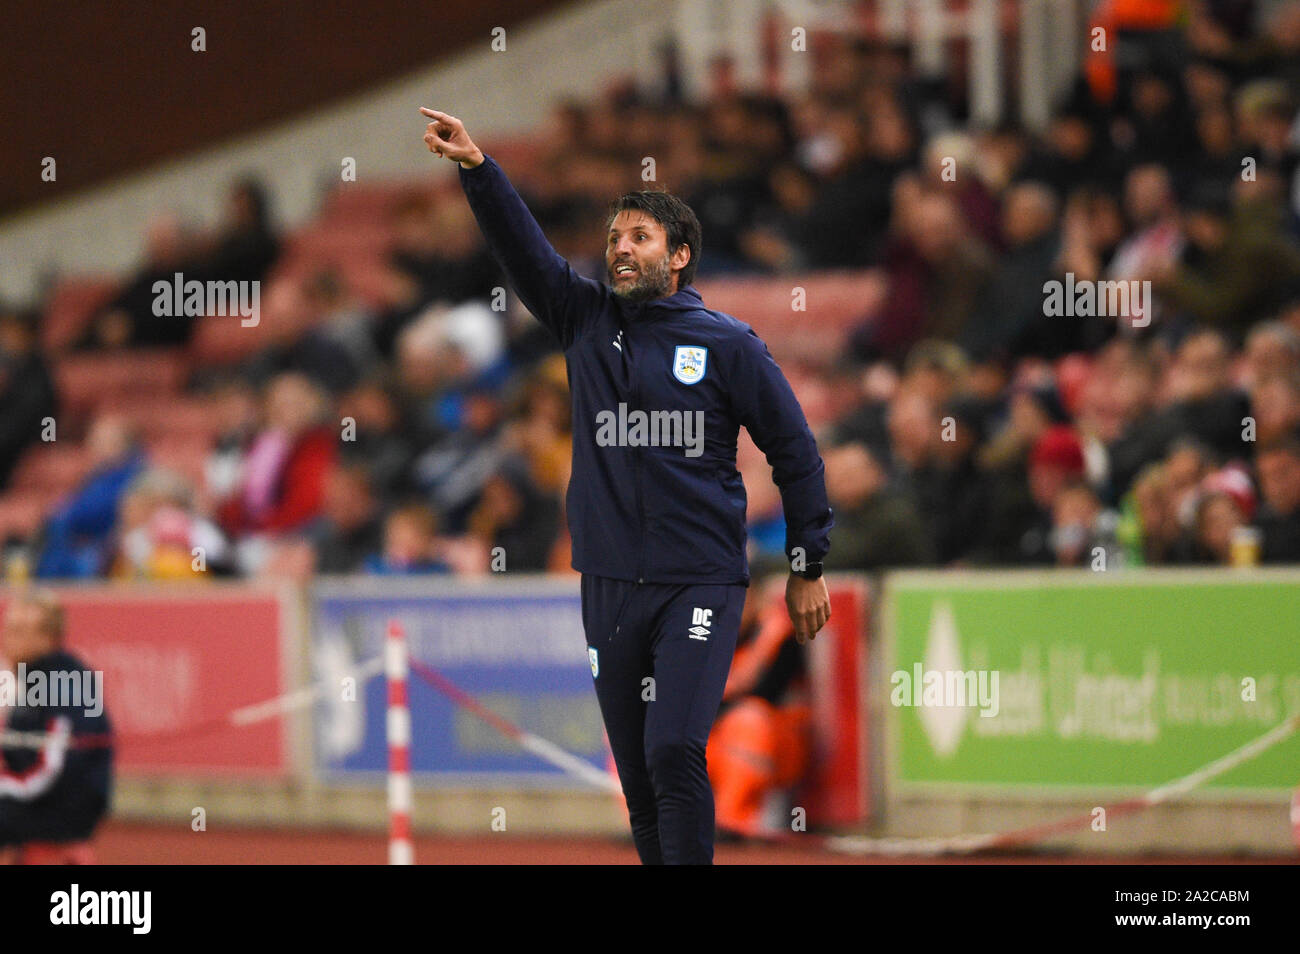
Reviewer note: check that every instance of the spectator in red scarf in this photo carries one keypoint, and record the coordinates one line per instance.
(282, 486)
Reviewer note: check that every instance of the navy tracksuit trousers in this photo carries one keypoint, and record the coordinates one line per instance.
(660, 654)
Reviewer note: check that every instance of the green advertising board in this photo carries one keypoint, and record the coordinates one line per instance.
(1069, 680)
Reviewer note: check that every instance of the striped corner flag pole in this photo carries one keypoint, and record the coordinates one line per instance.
(401, 851)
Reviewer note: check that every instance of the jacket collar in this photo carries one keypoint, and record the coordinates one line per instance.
(684, 299)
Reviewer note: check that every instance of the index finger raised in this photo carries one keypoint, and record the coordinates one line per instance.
(440, 116)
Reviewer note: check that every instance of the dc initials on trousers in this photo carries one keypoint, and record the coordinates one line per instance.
(660, 654)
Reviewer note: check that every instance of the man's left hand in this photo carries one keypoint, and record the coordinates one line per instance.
(809, 604)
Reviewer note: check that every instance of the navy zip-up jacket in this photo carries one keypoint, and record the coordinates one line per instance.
(60, 791)
(657, 514)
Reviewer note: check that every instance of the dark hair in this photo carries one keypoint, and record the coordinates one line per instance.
(677, 219)
(252, 189)
(1284, 444)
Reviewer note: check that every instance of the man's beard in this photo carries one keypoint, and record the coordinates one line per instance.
(653, 281)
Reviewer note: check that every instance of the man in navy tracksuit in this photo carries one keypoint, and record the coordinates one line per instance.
(656, 508)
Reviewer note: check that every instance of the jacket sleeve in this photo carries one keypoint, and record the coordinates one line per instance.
(36, 780)
(548, 286)
(765, 403)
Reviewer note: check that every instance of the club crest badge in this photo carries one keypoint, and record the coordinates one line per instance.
(595, 661)
(689, 362)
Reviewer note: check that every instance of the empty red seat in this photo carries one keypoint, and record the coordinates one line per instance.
(178, 417)
(519, 155)
(333, 245)
(186, 456)
(54, 465)
(56, 853)
(222, 340)
(71, 305)
(85, 379)
(833, 304)
(22, 512)
(361, 204)
(818, 399)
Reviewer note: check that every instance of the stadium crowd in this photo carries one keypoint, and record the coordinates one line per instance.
(430, 434)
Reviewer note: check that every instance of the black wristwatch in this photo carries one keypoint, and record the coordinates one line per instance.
(811, 571)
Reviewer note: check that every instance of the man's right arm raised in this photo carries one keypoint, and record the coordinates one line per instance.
(547, 285)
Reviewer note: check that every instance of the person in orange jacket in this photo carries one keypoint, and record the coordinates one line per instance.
(761, 741)
(1114, 17)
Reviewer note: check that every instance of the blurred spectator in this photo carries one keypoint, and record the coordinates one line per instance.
(945, 154)
(937, 271)
(129, 319)
(1278, 51)
(1031, 413)
(438, 256)
(866, 419)
(346, 323)
(296, 340)
(1226, 504)
(1148, 529)
(1069, 155)
(961, 489)
(1118, 391)
(936, 369)
(77, 537)
(913, 423)
(452, 472)
(1001, 153)
(54, 796)
(1091, 232)
(375, 434)
(441, 357)
(1219, 158)
(244, 246)
(1272, 349)
(730, 180)
(349, 530)
(1198, 400)
(235, 407)
(160, 535)
(1187, 466)
(514, 514)
(538, 426)
(1010, 319)
(1056, 533)
(282, 484)
(1154, 123)
(1275, 407)
(1156, 234)
(1278, 466)
(917, 436)
(1239, 267)
(27, 394)
(469, 336)
(857, 161)
(1082, 531)
(1266, 112)
(410, 544)
(779, 238)
(1204, 402)
(878, 527)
